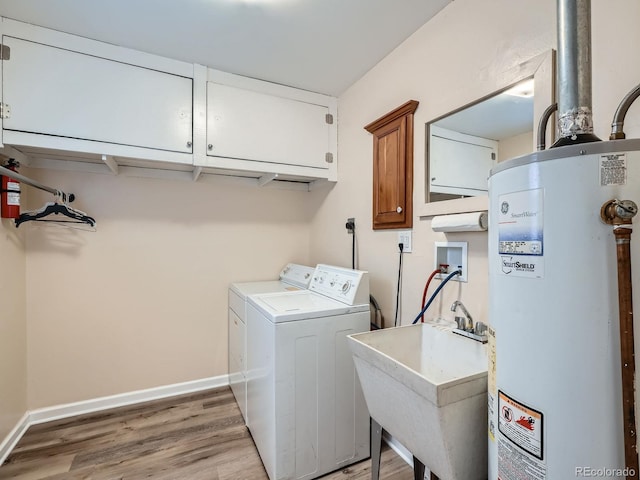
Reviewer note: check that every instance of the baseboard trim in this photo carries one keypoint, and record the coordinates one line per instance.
(57, 412)
(13, 437)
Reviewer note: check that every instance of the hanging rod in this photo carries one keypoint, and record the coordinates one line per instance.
(70, 197)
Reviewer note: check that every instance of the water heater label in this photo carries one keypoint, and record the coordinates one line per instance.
(521, 233)
(520, 446)
(613, 169)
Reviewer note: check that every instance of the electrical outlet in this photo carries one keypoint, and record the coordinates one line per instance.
(405, 239)
(351, 225)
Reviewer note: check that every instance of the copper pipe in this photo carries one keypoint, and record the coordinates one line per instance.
(627, 355)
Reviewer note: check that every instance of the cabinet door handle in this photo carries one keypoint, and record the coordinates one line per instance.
(210, 146)
(399, 209)
(189, 144)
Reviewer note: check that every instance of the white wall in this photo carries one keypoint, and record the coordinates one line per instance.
(13, 339)
(142, 302)
(460, 55)
(515, 146)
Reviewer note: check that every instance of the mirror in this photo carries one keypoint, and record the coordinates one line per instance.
(465, 145)
(454, 189)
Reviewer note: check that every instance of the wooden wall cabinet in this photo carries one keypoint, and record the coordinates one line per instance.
(393, 168)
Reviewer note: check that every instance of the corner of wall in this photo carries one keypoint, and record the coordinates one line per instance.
(13, 333)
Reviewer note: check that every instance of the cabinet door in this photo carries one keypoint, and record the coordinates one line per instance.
(390, 173)
(393, 167)
(54, 91)
(249, 125)
(459, 163)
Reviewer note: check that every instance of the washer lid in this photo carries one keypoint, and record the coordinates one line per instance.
(301, 305)
(245, 289)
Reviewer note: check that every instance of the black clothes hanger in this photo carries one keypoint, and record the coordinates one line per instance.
(56, 208)
(59, 207)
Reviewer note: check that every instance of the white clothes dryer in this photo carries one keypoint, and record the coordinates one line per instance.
(293, 277)
(308, 416)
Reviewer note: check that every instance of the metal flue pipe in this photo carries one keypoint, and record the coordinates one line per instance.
(575, 116)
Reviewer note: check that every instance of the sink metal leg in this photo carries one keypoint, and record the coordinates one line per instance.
(418, 469)
(376, 447)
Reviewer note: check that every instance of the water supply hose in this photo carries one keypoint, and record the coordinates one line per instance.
(435, 294)
(542, 126)
(426, 287)
(619, 214)
(617, 126)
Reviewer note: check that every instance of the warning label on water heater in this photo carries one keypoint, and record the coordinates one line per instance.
(520, 447)
(521, 233)
(613, 169)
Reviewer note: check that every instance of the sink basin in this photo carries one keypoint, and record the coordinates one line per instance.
(427, 387)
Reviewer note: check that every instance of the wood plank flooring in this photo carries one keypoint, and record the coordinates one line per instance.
(197, 437)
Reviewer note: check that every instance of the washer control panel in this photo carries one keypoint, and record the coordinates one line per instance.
(299, 275)
(342, 284)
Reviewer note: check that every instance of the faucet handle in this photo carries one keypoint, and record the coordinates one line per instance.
(461, 322)
(480, 328)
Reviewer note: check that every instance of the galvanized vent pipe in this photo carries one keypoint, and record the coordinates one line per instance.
(575, 116)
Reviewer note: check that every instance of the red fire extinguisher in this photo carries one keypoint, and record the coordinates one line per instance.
(10, 194)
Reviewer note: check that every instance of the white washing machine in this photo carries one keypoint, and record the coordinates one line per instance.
(308, 416)
(292, 277)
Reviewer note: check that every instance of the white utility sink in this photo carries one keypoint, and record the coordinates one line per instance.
(427, 387)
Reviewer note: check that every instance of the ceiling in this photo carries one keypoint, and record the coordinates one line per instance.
(318, 45)
(497, 118)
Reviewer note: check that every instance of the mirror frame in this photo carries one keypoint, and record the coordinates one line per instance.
(542, 69)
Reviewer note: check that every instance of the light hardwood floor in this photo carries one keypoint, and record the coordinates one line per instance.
(196, 437)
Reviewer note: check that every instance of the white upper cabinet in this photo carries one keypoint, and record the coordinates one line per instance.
(266, 129)
(68, 93)
(100, 106)
(459, 164)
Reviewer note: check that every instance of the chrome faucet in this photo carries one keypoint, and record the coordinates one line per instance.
(465, 325)
(462, 323)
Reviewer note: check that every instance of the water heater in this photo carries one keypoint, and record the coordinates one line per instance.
(555, 401)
